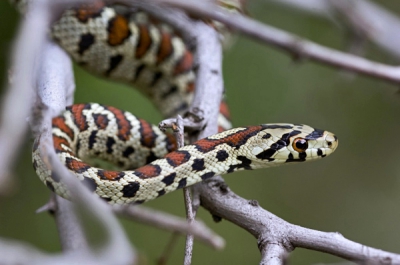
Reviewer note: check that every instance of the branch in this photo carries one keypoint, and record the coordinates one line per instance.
(295, 45)
(170, 223)
(275, 235)
(382, 26)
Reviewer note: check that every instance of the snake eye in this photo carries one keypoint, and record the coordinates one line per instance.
(300, 145)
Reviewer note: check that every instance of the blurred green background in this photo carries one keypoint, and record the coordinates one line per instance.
(356, 191)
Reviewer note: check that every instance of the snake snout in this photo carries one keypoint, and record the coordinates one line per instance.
(331, 141)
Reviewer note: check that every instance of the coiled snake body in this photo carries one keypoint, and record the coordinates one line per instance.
(130, 47)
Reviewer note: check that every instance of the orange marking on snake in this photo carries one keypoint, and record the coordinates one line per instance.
(144, 42)
(101, 121)
(185, 64)
(124, 126)
(165, 49)
(118, 29)
(171, 143)
(148, 136)
(59, 122)
(177, 158)
(234, 140)
(77, 166)
(79, 118)
(110, 174)
(58, 141)
(148, 171)
(85, 12)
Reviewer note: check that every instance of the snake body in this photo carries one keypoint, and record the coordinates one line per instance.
(115, 43)
(95, 130)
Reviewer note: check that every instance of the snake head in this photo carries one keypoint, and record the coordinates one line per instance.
(282, 142)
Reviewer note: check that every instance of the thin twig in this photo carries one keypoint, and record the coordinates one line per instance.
(170, 223)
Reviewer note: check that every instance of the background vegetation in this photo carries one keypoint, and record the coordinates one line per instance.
(355, 192)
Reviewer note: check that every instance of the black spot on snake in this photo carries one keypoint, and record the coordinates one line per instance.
(286, 137)
(109, 144)
(267, 136)
(85, 42)
(319, 152)
(222, 155)
(78, 145)
(276, 126)
(92, 139)
(138, 71)
(161, 192)
(50, 186)
(129, 191)
(207, 175)
(245, 164)
(151, 157)
(266, 154)
(157, 76)
(303, 156)
(168, 180)
(198, 164)
(34, 165)
(292, 159)
(107, 199)
(182, 183)
(317, 133)
(114, 62)
(128, 151)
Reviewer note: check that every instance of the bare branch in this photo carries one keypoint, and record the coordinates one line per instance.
(49, 104)
(13, 123)
(170, 223)
(277, 237)
(384, 31)
(295, 45)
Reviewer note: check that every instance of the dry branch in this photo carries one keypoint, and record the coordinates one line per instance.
(379, 25)
(298, 47)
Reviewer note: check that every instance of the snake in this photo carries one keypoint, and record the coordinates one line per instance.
(130, 46)
(86, 130)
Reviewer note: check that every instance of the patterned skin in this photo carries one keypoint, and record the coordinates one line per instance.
(86, 130)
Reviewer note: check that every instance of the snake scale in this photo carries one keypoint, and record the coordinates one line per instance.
(121, 45)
